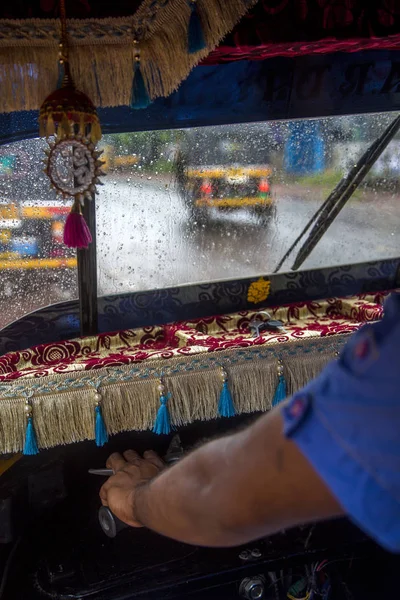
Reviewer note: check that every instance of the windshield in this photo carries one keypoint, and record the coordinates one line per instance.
(227, 202)
(198, 205)
(243, 145)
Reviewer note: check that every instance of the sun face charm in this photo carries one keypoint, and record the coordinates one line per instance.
(73, 167)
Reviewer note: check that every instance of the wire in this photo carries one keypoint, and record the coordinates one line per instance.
(306, 597)
(323, 564)
(7, 566)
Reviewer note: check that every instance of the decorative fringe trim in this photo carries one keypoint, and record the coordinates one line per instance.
(64, 417)
(162, 424)
(30, 445)
(196, 41)
(61, 73)
(280, 392)
(139, 96)
(100, 431)
(226, 407)
(102, 53)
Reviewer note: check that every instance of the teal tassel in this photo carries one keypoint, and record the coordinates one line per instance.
(196, 41)
(280, 392)
(61, 73)
(30, 447)
(162, 423)
(139, 96)
(226, 407)
(101, 434)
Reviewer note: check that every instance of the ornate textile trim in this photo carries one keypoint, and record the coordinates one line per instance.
(188, 338)
(102, 51)
(63, 405)
(58, 383)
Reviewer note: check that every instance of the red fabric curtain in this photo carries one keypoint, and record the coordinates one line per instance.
(298, 27)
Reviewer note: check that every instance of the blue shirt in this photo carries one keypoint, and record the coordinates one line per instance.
(347, 423)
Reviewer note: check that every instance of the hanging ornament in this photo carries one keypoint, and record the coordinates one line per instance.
(139, 94)
(69, 112)
(196, 41)
(226, 407)
(73, 165)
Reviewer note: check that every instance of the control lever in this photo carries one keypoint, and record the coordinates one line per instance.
(109, 523)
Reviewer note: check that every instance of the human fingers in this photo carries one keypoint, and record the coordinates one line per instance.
(103, 495)
(154, 458)
(131, 456)
(115, 462)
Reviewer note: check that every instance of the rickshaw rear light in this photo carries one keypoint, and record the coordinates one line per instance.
(263, 186)
(206, 188)
(57, 229)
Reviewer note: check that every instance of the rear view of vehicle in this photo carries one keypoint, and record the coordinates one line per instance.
(226, 172)
(31, 223)
(30, 226)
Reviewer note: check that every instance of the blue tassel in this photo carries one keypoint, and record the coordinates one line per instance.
(61, 73)
(139, 96)
(30, 447)
(162, 423)
(101, 434)
(280, 392)
(226, 407)
(196, 41)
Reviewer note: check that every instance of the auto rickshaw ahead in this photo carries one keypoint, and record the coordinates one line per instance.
(224, 170)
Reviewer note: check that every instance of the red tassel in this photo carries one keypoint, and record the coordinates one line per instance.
(76, 232)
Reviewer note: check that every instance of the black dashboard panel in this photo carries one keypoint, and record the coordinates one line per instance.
(56, 548)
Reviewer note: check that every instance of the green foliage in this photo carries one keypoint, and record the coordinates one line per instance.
(329, 178)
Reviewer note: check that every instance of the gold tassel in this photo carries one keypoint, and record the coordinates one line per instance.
(82, 125)
(50, 127)
(64, 126)
(95, 133)
(42, 128)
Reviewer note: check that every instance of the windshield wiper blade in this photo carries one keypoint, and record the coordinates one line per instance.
(332, 206)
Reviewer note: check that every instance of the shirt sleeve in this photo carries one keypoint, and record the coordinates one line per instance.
(347, 424)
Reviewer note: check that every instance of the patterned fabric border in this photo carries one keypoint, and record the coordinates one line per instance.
(193, 337)
(156, 369)
(63, 402)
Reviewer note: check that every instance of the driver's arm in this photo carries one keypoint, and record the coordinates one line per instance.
(334, 447)
(227, 492)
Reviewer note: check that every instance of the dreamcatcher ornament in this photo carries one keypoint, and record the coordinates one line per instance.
(69, 122)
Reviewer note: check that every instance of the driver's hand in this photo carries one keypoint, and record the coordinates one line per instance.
(131, 470)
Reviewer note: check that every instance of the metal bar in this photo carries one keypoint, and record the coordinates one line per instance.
(344, 190)
(87, 275)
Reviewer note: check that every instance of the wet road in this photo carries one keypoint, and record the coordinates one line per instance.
(146, 239)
